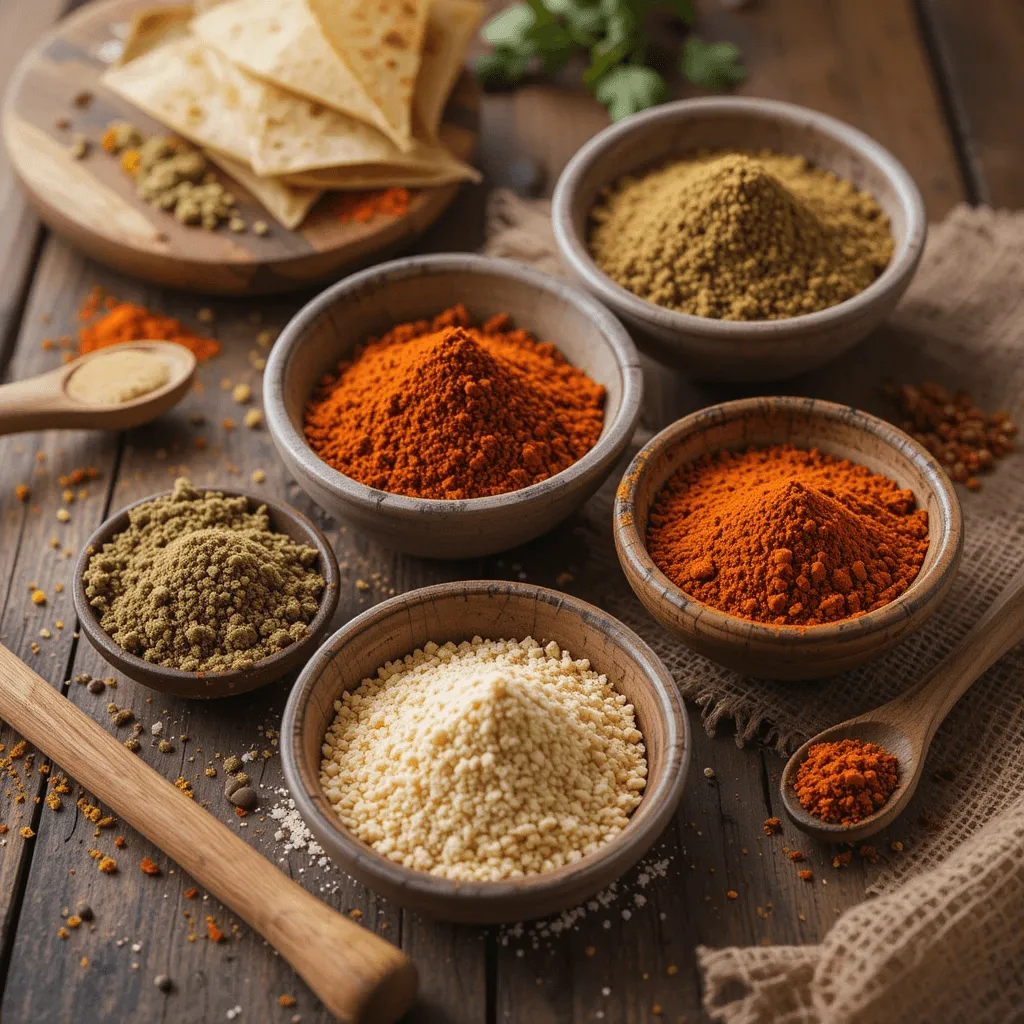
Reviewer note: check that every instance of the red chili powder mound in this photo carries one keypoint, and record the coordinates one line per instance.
(787, 537)
(441, 409)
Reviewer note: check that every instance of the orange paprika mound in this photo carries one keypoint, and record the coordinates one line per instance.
(785, 536)
(846, 781)
(124, 321)
(440, 409)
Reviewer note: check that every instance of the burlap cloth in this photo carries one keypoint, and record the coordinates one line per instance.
(943, 941)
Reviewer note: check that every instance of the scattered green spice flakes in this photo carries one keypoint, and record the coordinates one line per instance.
(232, 764)
(199, 582)
(543, 35)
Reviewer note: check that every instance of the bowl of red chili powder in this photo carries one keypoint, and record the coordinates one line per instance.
(789, 538)
(452, 406)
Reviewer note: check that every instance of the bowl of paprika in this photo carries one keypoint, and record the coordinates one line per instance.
(788, 538)
(452, 406)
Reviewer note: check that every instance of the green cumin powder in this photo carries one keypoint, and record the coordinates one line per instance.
(740, 236)
(198, 582)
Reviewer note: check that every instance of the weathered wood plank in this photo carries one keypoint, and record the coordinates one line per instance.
(28, 556)
(978, 48)
(22, 23)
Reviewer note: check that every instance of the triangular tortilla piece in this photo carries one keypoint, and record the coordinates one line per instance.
(292, 136)
(450, 28)
(281, 42)
(179, 84)
(194, 91)
(287, 204)
(153, 25)
(377, 176)
(380, 41)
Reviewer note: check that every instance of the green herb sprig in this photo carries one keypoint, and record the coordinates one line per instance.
(542, 35)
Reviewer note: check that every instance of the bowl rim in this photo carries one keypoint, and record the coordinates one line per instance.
(176, 680)
(607, 449)
(352, 853)
(576, 254)
(632, 549)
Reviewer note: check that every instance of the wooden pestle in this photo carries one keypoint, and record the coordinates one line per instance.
(361, 978)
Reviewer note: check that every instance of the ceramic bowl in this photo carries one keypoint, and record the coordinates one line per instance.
(283, 519)
(420, 287)
(720, 350)
(792, 652)
(457, 612)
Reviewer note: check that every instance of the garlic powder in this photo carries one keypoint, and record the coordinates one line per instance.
(488, 760)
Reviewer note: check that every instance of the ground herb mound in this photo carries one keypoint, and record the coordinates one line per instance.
(198, 582)
(741, 236)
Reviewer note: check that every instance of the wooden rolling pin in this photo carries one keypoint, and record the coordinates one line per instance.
(360, 978)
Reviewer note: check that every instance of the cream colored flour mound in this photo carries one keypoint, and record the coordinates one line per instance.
(116, 377)
(488, 760)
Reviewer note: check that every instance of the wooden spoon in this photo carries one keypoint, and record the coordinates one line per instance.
(43, 402)
(360, 977)
(905, 726)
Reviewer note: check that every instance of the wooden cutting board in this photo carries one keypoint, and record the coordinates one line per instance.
(93, 203)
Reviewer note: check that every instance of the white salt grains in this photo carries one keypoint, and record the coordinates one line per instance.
(487, 760)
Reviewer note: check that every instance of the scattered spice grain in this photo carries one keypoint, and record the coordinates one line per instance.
(126, 321)
(107, 865)
(149, 867)
(964, 439)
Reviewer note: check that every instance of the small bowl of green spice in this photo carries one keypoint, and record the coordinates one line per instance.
(740, 239)
(204, 593)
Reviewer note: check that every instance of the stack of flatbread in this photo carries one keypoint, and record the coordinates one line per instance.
(295, 97)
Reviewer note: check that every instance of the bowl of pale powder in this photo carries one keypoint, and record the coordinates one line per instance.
(485, 752)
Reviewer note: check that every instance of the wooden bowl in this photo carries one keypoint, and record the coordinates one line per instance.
(418, 287)
(456, 612)
(721, 350)
(788, 652)
(283, 519)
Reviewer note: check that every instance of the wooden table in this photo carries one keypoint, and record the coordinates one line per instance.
(940, 82)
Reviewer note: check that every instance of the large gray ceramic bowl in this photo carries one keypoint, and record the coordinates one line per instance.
(419, 287)
(722, 350)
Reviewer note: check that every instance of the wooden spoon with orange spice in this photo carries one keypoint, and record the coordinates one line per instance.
(904, 728)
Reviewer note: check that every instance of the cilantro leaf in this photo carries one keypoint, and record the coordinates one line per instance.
(501, 68)
(628, 88)
(711, 65)
(511, 28)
